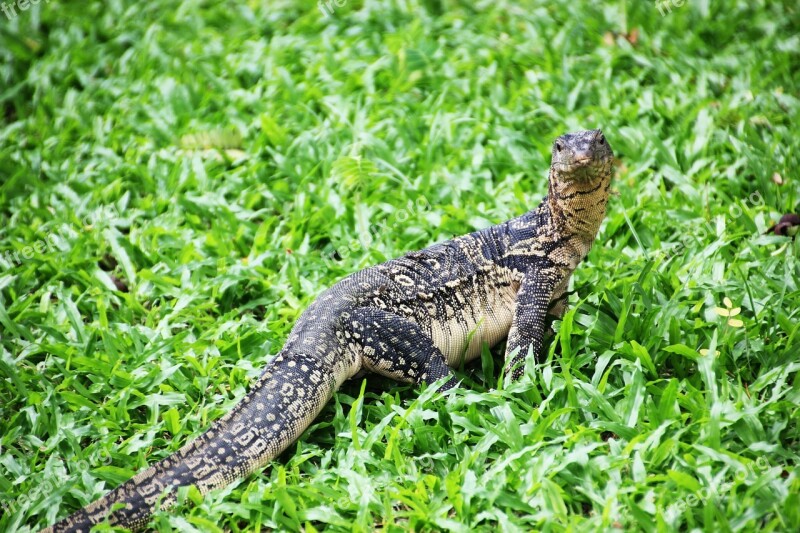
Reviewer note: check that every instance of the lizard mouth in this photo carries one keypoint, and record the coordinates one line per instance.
(581, 170)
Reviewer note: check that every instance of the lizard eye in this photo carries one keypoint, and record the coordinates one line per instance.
(559, 146)
(602, 140)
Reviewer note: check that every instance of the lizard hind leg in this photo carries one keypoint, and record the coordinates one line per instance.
(397, 347)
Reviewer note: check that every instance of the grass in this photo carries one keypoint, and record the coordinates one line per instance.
(179, 180)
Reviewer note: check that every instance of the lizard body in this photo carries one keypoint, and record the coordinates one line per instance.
(411, 319)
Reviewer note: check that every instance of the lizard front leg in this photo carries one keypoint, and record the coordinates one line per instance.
(528, 325)
(557, 307)
(396, 347)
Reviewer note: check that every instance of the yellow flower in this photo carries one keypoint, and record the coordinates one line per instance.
(730, 311)
(704, 352)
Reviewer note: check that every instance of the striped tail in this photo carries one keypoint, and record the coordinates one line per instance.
(282, 404)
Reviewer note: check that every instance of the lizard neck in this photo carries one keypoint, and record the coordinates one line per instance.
(577, 207)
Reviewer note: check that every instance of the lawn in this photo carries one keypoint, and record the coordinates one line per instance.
(179, 180)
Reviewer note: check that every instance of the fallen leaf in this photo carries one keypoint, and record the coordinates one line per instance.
(786, 226)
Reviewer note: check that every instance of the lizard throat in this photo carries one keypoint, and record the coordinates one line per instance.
(578, 203)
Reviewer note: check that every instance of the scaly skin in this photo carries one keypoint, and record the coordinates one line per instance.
(409, 318)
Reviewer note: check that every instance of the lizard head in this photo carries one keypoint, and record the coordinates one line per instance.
(581, 156)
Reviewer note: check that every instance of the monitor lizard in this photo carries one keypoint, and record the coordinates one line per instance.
(412, 319)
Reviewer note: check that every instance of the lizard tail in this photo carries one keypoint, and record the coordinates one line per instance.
(282, 404)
